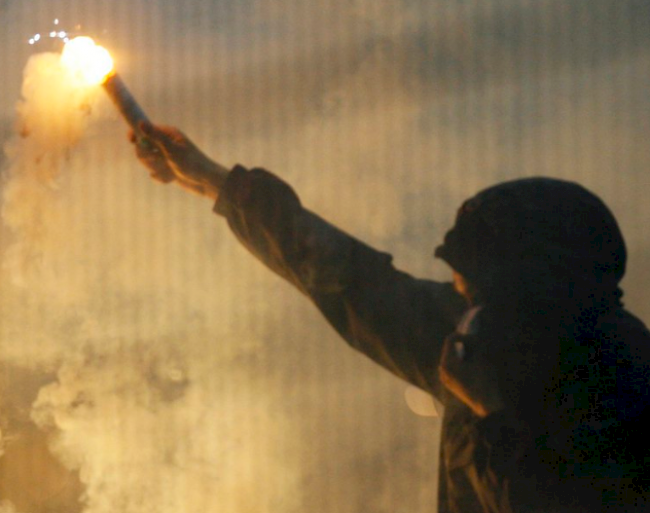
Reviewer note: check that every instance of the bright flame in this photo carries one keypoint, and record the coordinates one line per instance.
(90, 62)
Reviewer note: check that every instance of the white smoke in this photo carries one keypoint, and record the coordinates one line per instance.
(145, 436)
(51, 119)
(92, 290)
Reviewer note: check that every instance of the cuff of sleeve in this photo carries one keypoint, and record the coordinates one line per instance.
(234, 192)
(257, 192)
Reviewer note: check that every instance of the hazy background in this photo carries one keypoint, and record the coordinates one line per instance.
(147, 363)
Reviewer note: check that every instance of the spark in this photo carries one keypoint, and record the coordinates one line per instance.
(54, 34)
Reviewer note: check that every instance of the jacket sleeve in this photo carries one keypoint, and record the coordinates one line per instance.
(398, 321)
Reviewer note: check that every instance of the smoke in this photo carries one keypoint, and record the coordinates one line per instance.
(132, 407)
(144, 436)
(52, 117)
(163, 368)
(51, 120)
(162, 365)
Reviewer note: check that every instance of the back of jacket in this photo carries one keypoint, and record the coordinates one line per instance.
(579, 445)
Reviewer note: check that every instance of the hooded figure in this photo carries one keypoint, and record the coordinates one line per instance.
(538, 237)
(547, 395)
(543, 259)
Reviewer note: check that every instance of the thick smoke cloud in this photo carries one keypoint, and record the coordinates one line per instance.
(82, 296)
(153, 365)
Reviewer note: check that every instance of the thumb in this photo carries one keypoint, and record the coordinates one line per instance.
(146, 129)
(166, 138)
(155, 135)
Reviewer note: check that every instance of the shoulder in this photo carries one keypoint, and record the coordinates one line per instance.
(627, 335)
(625, 358)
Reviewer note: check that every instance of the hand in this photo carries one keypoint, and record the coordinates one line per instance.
(171, 156)
(466, 370)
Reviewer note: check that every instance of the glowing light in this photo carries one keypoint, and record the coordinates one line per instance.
(56, 21)
(31, 41)
(91, 62)
(37, 37)
(53, 33)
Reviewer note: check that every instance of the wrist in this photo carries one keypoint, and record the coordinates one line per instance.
(208, 176)
(211, 172)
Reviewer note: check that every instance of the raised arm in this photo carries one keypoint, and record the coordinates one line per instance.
(398, 321)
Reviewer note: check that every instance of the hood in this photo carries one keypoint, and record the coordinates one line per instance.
(537, 232)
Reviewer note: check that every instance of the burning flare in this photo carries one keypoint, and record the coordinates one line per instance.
(91, 63)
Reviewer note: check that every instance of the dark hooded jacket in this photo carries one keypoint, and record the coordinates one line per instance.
(545, 258)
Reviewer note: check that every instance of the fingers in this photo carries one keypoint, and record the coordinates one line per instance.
(165, 137)
(138, 137)
(153, 159)
(158, 169)
(170, 155)
(145, 150)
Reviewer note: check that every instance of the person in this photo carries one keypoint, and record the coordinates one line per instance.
(543, 374)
